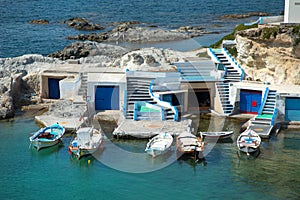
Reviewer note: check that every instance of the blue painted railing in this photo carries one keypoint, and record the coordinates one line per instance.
(135, 110)
(162, 114)
(213, 56)
(125, 103)
(274, 117)
(226, 71)
(242, 72)
(163, 103)
(263, 101)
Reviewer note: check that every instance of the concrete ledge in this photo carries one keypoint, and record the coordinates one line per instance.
(149, 128)
(71, 124)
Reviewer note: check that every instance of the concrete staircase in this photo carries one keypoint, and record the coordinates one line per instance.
(267, 110)
(222, 90)
(137, 90)
(263, 123)
(83, 88)
(233, 72)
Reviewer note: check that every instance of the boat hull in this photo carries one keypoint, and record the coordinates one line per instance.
(40, 145)
(156, 152)
(79, 152)
(47, 137)
(217, 135)
(159, 144)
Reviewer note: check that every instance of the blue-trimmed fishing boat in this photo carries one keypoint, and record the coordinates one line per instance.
(248, 142)
(87, 141)
(47, 136)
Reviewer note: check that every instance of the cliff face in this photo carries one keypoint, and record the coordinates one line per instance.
(270, 54)
(19, 79)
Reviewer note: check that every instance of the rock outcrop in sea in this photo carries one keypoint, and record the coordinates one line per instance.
(244, 15)
(82, 24)
(134, 32)
(270, 54)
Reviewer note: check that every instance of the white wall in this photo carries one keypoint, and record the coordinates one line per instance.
(292, 11)
(98, 79)
(69, 87)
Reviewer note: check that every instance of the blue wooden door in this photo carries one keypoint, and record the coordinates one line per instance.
(107, 98)
(53, 87)
(292, 109)
(250, 101)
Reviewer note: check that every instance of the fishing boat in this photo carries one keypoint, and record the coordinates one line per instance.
(217, 135)
(187, 143)
(87, 141)
(47, 136)
(159, 144)
(248, 142)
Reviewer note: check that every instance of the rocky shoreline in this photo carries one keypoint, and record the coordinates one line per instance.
(256, 49)
(20, 75)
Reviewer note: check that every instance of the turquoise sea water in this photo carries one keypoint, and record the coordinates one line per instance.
(53, 174)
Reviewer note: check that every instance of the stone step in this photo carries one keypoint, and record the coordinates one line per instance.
(258, 122)
(268, 112)
(269, 106)
(268, 109)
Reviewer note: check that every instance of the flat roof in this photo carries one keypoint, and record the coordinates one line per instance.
(197, 71)
(197, 64)
(281, 89)
(107, 77)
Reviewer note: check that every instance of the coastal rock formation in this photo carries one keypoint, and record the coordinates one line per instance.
(66, 108)
(244, 15)
(149, 59)
(270, 54)
(193, 31)
(39, 21)
(82, 24)
(19, 81)
(89, 49)
(126, 32)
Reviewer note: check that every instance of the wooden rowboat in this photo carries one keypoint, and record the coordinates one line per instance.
(187, 143)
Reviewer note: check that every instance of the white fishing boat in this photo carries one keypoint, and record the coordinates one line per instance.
(187, 143)
(159, 144)
(248, 141)
(217, 135)
(47, 136)
(87, 141)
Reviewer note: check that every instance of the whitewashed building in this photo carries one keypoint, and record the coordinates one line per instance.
(292, 11)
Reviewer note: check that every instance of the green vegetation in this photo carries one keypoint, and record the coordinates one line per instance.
(203, 54)
(296, 29)
(232, 51)
(270, 31)
(231, 36)
(297, 41)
